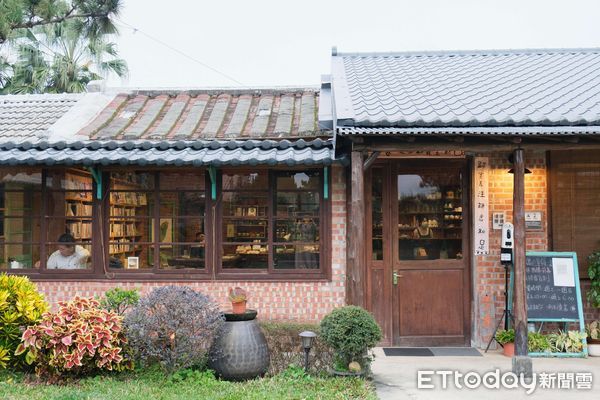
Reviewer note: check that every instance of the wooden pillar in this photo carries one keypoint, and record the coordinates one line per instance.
(355, 249)
(521, 363)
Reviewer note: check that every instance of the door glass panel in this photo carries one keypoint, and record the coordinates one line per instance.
(377, 213)
(430, 215)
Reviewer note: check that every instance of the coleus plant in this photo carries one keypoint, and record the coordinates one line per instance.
(79, 338)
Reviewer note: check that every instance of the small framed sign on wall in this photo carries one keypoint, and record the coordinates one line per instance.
(533, 221)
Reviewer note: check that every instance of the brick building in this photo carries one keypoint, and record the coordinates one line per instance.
(361, 192)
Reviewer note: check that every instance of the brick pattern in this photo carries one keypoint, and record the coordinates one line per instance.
(293, 301)
(489, 273)
(488, 276)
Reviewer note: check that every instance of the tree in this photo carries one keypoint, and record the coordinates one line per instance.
(60, 58)
(94, 15)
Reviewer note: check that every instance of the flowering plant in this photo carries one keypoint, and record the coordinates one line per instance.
(79, 338)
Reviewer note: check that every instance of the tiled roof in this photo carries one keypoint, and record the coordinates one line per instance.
(208, 114)
(178, 153)
(24, 117)
(468, 89)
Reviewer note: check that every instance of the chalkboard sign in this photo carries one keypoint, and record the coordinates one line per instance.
(553, 292)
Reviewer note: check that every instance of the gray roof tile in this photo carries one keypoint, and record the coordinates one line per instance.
(25, 117)
(457, 89)
(177, 153)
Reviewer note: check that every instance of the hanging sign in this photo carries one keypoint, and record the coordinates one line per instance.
(481, 206)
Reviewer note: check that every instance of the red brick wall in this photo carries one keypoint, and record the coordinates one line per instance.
(296, 301)
(488, 274)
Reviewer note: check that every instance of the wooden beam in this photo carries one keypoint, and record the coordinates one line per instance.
(370, 160)
(520, 299)
(356, 244)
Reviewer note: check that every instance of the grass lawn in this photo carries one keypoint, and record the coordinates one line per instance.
(151, 385)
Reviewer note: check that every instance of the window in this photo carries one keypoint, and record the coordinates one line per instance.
(169, 236)
(131, 199)
(58, 222)
(68, 219)
(272, 222)
(20, 218)
(245, 208)
(297, 220)
(430, 214)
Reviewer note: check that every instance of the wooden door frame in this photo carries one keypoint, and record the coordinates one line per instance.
(389, 314)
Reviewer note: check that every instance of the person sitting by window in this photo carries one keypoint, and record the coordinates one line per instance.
(68, 255)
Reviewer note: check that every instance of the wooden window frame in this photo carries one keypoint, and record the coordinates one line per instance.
(213, 270)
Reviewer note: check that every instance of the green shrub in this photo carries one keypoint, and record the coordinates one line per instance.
(78, 339)
(286, 350)
(21, 305)
(505, 336)
(120, 300)
(351, 331)
(173, 326)
(594, 273)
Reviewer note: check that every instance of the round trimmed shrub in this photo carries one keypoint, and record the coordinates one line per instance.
(173, 326)
(351, 331)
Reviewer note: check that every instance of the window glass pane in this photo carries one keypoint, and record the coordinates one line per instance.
(69, 255)
(181, 230)
(130, 255)
(132, 180)
(182, 204)
(377, 214)
(69, 219)
(294, 204)
(21, 179)
(177, 181)
(19, 255)
(252, 181)
(20, 197)
(296, 256)
(245, 204)
(245, 230)
(20, 229)
(430, 215)
(19, 203)
(245, 256)
(298, 180)
(297, 208)
(182, 256)
(297, 230)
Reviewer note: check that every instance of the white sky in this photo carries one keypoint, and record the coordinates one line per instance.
(268, 42)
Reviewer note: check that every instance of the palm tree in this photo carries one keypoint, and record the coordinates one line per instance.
(62, 58)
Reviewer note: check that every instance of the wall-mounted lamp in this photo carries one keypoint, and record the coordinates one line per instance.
(511, 160)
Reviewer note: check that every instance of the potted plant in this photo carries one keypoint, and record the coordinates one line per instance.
(593, 338)
(506, 339)
(238, 297)
(351, 332)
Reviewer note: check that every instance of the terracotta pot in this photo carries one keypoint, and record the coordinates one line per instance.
(509, 349)
(239, 308)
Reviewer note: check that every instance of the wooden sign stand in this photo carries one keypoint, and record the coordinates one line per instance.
(564, 321)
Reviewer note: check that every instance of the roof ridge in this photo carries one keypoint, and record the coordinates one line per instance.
(482, 52)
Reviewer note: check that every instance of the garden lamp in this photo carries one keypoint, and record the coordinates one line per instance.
(307, 338)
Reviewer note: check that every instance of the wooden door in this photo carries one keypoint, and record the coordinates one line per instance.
(430, 253)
